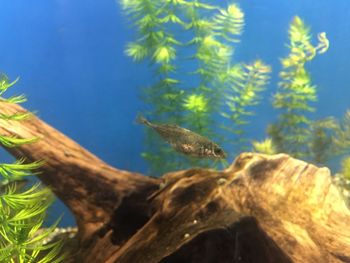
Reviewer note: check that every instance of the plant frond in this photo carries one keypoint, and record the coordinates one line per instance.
(138, 52)
(19, 169)
(341, 138)
(229, 23)
(196, 103)
(15, 141)
(321, 146)
(163, 54)
(22, 209)
(5, 84)
(266, 146)
(18, 116)
(296, 92)
(16, 99)
(198, 4)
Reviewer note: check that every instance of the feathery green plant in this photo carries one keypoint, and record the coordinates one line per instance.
(321, 147)
(156, 43)
(213, 40)
(342, 179)
(22, 213)
(341, 137)
(198, 107)
(291, 133)
(266, 146)
(341, 142)
(246, 82)
(345, 171)
(217, 85)
(193, 98)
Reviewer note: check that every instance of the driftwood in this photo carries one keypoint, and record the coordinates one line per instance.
(260, 209)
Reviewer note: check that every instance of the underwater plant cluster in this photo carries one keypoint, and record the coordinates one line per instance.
(23, 205)
(190, 47)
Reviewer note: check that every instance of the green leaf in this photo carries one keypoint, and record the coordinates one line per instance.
(5, 84)
(15, 141)
(137, 51)
(19, 169)
(229, 23)
(164, 54)
(18, 116)
(196, 103)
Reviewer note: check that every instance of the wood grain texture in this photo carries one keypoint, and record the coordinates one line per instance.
(260, 209)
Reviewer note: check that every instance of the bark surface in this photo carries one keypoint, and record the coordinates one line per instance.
(260, 209)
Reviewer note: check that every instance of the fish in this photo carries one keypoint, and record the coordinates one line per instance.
(185, 141)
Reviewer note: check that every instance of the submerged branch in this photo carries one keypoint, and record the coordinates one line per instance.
(263, 208)
(88, 186)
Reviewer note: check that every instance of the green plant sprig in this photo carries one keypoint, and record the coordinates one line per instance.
(19, 169)
(23, 213)
(291, 133)
(18, 116)
(246, 82)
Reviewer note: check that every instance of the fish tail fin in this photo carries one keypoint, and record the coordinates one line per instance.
(142, 120)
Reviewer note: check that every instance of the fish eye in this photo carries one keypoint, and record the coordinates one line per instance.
(218, 151)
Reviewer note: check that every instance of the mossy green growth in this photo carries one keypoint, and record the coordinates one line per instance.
(23, 210)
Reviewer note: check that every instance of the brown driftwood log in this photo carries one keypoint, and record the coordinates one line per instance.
(260, 209)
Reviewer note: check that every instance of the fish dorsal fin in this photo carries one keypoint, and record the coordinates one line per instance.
(176, 127)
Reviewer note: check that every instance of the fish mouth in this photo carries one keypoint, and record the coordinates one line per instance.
(220, 156)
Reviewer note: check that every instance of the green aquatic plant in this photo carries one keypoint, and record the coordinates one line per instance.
(266, 146)
(23, 211)
(196, 103)
(214, 41)
(342, 179)
(182, 95)
(321, 147)
(296, 93)
(345, 170)
(198, 108)
(341, 146)
(245, 84)
(341, 141)
(341, 137)
(220, 86)
(197, 81)
(156, 44)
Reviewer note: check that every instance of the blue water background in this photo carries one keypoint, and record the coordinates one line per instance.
(70, 59)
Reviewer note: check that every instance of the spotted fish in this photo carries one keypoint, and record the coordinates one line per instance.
(186, 141)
